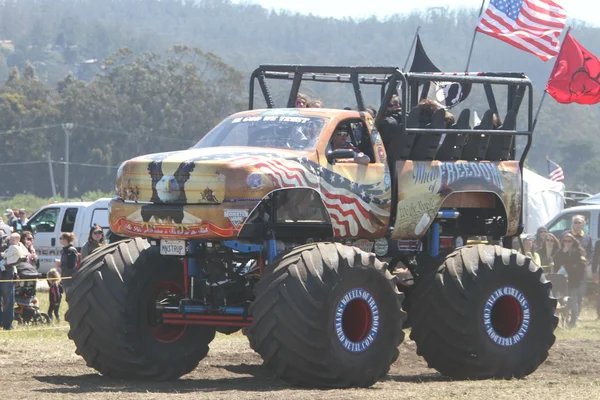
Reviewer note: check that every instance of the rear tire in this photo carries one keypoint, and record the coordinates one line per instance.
(327, 315)
(487, 312)
(112, 319)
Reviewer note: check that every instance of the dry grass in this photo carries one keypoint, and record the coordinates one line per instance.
(38, 363)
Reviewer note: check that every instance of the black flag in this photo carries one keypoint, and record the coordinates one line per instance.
(447, 93)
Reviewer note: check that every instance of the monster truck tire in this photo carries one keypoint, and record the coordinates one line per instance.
(487, 312)
(111, 317)
(327, 315)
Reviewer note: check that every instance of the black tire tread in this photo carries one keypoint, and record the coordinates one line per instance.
(288, 328)
(440, 321)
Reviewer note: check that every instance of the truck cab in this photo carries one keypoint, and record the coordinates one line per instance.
(50, 221)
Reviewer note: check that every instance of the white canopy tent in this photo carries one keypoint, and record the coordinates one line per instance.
(543, 199)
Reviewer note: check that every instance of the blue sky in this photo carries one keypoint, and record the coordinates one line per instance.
(588, 11)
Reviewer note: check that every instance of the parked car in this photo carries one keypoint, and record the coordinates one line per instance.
(50, 221)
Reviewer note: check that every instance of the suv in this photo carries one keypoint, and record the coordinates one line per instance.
(262, 226)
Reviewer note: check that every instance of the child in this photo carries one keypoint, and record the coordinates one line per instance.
(16, 252)
(56, 291)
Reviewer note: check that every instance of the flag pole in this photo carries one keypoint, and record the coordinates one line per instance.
(473, 41)
(412, 46)
(537, 113)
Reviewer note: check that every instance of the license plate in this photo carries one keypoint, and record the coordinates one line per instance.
(172, 247)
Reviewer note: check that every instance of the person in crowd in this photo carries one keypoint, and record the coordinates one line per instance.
(55, 294)
(68, 259)
(95, 240)
(339, 140)
(11, 218)
(596, 274)
(571, 259)
(371, 110)
(15, 253)
(547, 250)
(428, 109)
(27, 239)
(529, 250)
(391, 124)
(315, 104)
(4, 228)
(540, 237)
(577, 230)
(23, 216)
(301, 100)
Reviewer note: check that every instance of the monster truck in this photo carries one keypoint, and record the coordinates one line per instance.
(322, 261)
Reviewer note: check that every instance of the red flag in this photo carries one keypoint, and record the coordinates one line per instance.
(576, 75)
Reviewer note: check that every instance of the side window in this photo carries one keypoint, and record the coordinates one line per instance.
(358, 136)
(100, 217)
(44, 221)
(68, 222)
(564, 224)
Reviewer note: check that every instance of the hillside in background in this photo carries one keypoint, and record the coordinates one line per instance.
(61, 36)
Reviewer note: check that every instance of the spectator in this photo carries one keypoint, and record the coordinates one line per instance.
(55, 294)
(547, 250)
(4, 227)
(10, 216)
(428, 110)
(529, 250)
(391, 126)
(95, 240)
(68, 259)
(577, 225)
(540, 237)
(15, 253)
(571, 257)
(27, 239)
(315, 104)
(339, 140)
(20, 223)
(596, 274)
(301, 100)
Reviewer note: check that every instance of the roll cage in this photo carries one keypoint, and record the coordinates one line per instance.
(390, 79)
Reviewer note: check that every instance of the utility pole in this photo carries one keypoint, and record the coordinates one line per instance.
(67, 128)
(51, 175)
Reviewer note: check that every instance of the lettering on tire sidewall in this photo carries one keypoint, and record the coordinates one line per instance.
(487, 316)
(349, 296)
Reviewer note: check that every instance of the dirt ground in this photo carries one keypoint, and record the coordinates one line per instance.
(41, 364)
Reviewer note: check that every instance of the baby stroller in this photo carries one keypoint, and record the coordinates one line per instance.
(27, 309)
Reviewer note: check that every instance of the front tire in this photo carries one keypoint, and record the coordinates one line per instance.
(112, 318)
(327, 315)
(487, 312)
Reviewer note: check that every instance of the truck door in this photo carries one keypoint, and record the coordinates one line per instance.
(358, 197)
(45, 226)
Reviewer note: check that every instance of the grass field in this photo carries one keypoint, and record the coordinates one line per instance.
(40, 362)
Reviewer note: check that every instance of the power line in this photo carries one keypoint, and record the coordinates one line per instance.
(120, 131)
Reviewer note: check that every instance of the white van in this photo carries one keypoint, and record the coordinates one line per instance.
(51, 220)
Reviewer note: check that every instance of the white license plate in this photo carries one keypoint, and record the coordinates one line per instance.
(172, 247)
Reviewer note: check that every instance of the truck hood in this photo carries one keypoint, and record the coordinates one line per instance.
(199, 176)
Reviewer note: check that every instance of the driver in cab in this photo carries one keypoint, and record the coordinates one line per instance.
(339, 140)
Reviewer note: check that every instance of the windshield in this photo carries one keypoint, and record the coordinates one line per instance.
(275, 131)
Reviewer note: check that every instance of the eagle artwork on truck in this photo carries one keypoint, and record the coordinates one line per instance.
(266, 227)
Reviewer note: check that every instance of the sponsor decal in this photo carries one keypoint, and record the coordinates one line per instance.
(376, 137)
(236, 217)
(357, 294)
(364, 245)
(487, 316)
(381, 152)
(254, 181)
(459, 241)
(381, 247)
(123, 226)
(387, 180)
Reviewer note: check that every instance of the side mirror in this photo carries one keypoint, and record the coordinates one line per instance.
(339, 154)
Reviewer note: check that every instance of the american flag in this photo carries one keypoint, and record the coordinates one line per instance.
(555, 172)
(530, 25)
(355, 209)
